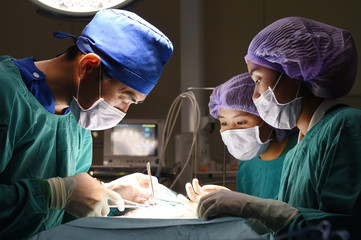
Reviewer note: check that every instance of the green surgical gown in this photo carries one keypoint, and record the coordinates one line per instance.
(262, 178)
(34, 144)
(322, 174)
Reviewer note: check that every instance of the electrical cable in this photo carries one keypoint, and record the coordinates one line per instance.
(168, 130)
(169, 126)
(197, 116)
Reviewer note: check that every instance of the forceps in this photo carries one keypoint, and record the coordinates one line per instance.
(130, 205)
(151, 182)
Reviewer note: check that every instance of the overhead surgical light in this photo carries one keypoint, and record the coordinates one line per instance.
(80, 8)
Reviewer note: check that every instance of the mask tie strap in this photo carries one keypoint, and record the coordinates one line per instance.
(77, 91)
(100, 81)
(270, 131)
(298, 90)
(278, 80)
(100, 85)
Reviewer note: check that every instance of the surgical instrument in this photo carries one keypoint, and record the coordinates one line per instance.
(151, 182)
(131, 205)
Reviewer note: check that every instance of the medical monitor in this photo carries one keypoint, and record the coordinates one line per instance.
(133, 143)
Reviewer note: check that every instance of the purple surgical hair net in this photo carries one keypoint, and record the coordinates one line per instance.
(236, 94)
(322, 56)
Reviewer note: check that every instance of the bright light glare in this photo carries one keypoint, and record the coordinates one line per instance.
(81, 6)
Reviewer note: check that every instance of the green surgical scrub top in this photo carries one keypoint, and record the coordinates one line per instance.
(34, 144)
(262, 178)
(322, 174)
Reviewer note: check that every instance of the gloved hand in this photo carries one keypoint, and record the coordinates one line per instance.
(134, 187)
(82, 196)
(273, 214)
(191, 206)
(195, 191)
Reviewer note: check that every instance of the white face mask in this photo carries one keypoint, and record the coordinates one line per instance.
(99, 116)
(281, 116)
(244, 144)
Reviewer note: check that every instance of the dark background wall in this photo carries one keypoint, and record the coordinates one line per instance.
(228, 27)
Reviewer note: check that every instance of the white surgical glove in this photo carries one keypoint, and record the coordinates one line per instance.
(191, 206)
(195, 191)
(82, 196)
(273, 214)
(134, 187)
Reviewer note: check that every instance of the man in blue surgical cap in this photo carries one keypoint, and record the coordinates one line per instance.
(48, 110)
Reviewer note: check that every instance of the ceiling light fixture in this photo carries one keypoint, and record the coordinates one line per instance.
(80, 8)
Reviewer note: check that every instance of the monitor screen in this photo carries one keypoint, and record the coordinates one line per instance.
(135, 139)
(133, 142)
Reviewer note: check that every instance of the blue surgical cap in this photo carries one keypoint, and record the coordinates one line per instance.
(236, 94)
(131, 50)
(322, 56)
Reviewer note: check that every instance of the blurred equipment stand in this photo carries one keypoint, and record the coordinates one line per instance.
(192, 149)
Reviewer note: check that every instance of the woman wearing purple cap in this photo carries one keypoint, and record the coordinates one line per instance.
(260, 148)
(300, 67)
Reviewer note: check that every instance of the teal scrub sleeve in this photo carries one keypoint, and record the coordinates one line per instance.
(84, 163)
(333, 159)
(45, 189)
(22, 207)
(84, 159)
